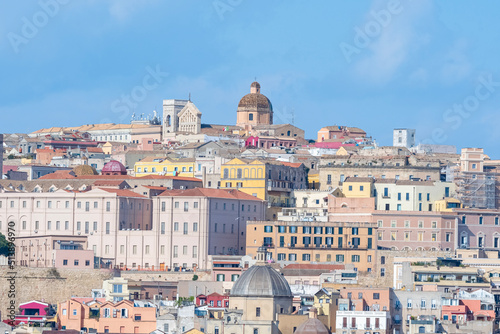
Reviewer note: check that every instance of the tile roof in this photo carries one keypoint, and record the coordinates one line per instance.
(123, 192)
(100, 183)
(209, 192)
(59, 175)
(358, 179)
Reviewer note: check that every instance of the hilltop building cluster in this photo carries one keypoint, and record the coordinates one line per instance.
(251, 227)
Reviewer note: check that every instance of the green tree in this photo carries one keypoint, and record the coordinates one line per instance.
(4, 246)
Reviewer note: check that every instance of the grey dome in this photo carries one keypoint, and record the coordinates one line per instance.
(261, 281)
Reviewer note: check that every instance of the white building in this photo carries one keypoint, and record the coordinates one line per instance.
(403, 138)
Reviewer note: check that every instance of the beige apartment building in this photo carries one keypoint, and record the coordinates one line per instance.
(179, 228)
(408, 195)
(335, 169)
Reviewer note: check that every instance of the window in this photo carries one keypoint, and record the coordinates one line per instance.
(185, 230)
(409, 303)
(480, 220)
(257, 312)
(186, 206)
(195, 251)
(382, 272)
(355, 258)
(306, 257)
(107, 227)
(195, 227)
(268, 229)
(376, 295)
(162, 228)
(176, 226)
(65, 262)
(422, 304)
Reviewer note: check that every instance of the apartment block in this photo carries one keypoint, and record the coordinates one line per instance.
(315, 242)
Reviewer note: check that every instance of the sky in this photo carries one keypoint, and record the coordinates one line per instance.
(377, 65)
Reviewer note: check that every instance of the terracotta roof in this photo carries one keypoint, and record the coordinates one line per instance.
(209, 192)
(123, 192)
(59, 175)
(292, 164)
(94, 150)
(155, 187)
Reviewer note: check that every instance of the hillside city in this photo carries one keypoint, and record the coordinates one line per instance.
(168, 225)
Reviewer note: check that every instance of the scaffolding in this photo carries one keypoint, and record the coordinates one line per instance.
(476, 190)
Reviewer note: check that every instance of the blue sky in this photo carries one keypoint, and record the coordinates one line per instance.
(377, 65)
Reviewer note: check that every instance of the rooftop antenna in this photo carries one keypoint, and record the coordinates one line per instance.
(189, 96)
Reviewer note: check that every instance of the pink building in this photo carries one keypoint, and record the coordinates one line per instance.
(54, 251)
(478, 228)
(415, 230)
(35, 312)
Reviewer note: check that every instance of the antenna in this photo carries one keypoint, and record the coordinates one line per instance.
(189, 96)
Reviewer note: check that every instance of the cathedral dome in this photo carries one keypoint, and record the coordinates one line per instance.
(83, 170)
(255, 101)
(114, 168)
(261, 281)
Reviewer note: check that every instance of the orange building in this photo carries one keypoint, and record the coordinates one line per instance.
(106, 317)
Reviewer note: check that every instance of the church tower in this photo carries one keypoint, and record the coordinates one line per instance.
(254, 109)
(171, 110)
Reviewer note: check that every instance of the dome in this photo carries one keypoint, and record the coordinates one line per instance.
(312, 325)
(84, 170)
(115, 168)
(255, 101)
(261, 281)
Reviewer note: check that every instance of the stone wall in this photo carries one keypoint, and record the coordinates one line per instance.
(51, 286)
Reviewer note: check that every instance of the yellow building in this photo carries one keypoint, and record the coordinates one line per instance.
(314, 241)
(266, 179)
(358, 187)
(165, 166)
(313, 180)
(447, 204)
(325, 301)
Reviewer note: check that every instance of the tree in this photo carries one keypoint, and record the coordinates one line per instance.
(4, 245)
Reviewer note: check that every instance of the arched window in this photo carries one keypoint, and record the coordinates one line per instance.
(168, 120)
(250, 117)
